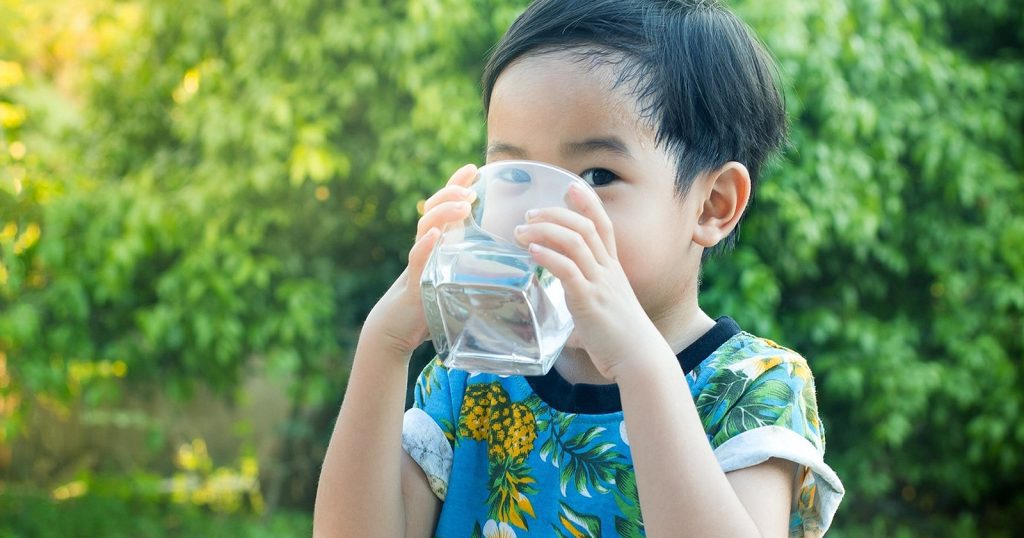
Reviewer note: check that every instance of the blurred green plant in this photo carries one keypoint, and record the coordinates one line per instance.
(224, 489)
(887, 248)
(187, 191)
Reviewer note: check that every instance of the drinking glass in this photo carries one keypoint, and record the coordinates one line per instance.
(489, 306)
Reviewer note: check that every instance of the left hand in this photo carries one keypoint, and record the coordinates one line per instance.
(578, 247)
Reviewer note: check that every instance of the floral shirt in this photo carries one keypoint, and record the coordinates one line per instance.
(536, 456)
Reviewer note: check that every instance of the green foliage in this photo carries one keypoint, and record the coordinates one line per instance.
(187, 187)
(887, 249)
(110, 516)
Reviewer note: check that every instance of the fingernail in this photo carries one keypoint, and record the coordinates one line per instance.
(521, 229)
(531, 214)
(471, 197)
(534, 247)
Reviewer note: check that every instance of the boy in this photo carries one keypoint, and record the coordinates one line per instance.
(669, 110)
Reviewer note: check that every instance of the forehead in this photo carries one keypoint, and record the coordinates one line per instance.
(564, 91)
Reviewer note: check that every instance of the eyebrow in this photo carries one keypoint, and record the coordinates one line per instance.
(597, 145)
(609, 144)
(507, 149)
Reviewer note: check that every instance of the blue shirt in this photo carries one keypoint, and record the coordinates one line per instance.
(537, 456)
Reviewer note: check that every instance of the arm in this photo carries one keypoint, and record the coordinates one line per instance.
(368, 485)
(362, 473)
(673, 461)
(365, 460)
(678, 476)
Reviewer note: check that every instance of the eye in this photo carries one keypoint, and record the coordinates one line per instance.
(514, 175)
(599, 177)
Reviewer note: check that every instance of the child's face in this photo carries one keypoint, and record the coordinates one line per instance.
(550, 108)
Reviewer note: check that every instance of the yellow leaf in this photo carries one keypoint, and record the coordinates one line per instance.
(570, 527)
(515, 519)
(526, 506)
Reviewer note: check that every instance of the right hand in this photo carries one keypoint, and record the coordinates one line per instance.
(397, 320)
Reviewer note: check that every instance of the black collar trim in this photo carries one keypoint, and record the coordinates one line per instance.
(601, 399)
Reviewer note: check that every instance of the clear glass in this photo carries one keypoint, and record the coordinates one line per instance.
(489, 307)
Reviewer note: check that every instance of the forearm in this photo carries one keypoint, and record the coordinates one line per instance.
(361, 475)
(678, 477)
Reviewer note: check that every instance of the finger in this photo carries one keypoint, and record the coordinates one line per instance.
(442, 214)
(586, 203)
(573, 221)
(562, 240)
(449, 193)
(419, 254)
(463, 176)
(563, 268)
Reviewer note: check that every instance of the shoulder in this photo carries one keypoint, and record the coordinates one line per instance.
(746, 361)
(751, 357)
(751, 382)
(757, 401)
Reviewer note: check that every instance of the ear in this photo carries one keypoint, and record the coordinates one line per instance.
(724, 196)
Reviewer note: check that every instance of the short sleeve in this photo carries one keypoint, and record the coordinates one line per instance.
(427, 428)
(764, 406)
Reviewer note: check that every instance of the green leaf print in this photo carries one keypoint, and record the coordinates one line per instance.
(477, 533)
(429, 379)
(541, 411)
(583, 461)
(761, 406)
(628, 500)
(810, 408)
(720, 395)
(449, 431)
(625, 479)
(577, 524)
(552, 448)
(628, 529)
(547, 449)
(587, 463)
(508, 489)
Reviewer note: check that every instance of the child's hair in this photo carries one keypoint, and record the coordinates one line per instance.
(703, 81)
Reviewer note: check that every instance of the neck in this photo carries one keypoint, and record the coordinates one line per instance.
(680, 319)
(684, 327)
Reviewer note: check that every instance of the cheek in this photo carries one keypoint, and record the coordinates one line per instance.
(652, 251)
(637, 254)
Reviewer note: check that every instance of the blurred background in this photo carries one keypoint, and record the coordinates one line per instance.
(200, 201)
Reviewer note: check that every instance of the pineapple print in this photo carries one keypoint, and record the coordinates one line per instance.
(510, 429)
(474, 416)
(521, 432)
(487, 415)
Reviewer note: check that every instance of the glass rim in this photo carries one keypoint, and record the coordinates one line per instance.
(540, 164)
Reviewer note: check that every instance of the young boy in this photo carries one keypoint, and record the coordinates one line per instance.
(668, 108)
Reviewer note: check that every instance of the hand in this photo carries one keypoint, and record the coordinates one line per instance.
(578, 247)
(397, 318)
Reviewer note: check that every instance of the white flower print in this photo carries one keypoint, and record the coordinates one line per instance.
(493, 529)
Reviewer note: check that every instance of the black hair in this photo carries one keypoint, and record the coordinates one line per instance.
(703, 81)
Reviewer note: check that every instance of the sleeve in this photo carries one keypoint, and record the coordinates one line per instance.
(764, 406)
(427, 428)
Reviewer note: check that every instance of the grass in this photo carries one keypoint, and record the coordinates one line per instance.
(36, 515)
